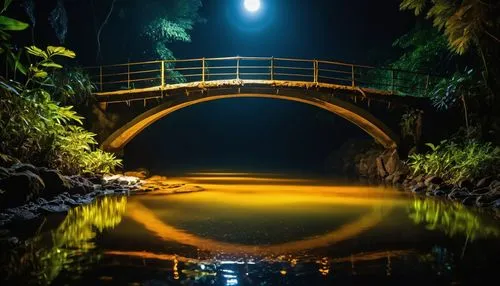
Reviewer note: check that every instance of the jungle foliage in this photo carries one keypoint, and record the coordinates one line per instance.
(35, 125)
(455, 161)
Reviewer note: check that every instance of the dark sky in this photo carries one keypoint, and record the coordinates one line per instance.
(350, 30)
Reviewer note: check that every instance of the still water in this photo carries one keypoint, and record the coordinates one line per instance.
(258, 230)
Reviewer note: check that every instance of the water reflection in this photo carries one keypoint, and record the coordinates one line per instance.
(69, 246)
(194, 239)
(451, 218)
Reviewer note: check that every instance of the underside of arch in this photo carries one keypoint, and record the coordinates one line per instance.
(363, 119)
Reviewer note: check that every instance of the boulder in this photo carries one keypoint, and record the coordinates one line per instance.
(81, 185)
(21, 214)
(21, 167)
(4, 173)
(495, 186)
(466, 184)
(486, 200)
(7, 161)
(469, 201)
(433, 180)
(458, 194)
(20, 188)
(484, 182)
(139, 173)
(481, 191)
(398, 178)
(381, 172)
(55, 182)
(419, 188)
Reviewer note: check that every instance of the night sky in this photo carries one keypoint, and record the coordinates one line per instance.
(246, 134)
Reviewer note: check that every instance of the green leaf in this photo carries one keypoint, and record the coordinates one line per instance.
(40, 74)
(9, 24)
(51, 64)
(60, 51)
(33, 50)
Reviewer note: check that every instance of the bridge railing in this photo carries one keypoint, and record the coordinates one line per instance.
(168, 72)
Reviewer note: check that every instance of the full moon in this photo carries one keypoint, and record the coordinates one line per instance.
(252, 5)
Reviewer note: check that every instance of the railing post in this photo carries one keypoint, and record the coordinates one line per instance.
(238, 68)
(163, 73)
(128, 74)
(353, 79)
(203, 71)
(315, 65)
(100, 78)
(272, 68)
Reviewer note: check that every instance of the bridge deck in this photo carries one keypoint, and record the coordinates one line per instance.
(137, 81)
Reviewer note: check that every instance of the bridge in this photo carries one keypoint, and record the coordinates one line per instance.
(138, 94)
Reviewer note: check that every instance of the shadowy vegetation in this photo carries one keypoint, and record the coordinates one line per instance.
(455, 162)
(35, 126)
(69, 247)
(452, 219)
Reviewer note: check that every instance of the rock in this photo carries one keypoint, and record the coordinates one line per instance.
(21, 167)
(55, 182)
(398, 178)
(139, 173)
(4, 173)
(419, 188)
(440, 193)
(419, 179)
(466, 184)
(389, 179)
(7, 161)
(392, 162)
(21, 214)
(469, 201)
(54, 208)
(481, 191)
(382, 173)
(486, 200)
(433, 180)
(122, 180)
(5, 219)
(495, 186)
(484, 182)
(81, 185)
(458, 194)
(20, 188)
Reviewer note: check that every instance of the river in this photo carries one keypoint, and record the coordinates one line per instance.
(261, 229)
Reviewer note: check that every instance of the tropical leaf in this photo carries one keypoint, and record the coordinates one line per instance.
(33, 50)
(51, 64)
(9, 24)
(60, 51)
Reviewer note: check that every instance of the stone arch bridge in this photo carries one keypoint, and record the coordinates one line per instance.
(133, 96)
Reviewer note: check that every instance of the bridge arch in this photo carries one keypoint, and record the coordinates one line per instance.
(356, 115)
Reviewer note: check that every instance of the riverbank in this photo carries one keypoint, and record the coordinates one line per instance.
(28, 192)
(386, 167)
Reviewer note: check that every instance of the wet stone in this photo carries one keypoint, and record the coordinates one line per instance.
(484, 182)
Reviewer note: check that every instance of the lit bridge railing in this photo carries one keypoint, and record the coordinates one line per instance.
(164, 73)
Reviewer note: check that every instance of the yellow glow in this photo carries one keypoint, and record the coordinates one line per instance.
(152, 223)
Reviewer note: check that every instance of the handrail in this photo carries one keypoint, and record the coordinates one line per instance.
(161, 73)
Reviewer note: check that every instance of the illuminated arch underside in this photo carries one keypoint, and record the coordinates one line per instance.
(363, 119)
(152, 223)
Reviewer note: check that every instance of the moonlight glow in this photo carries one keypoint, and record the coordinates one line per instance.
(252, 5)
